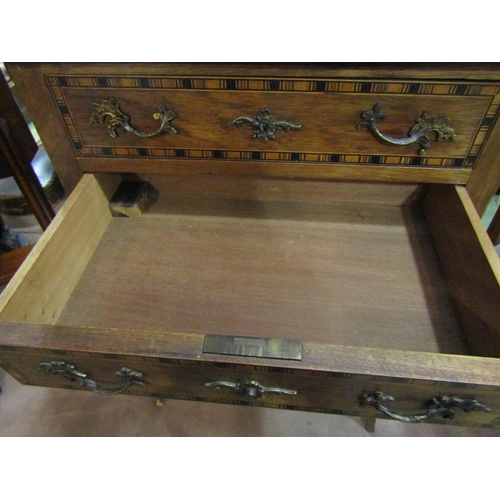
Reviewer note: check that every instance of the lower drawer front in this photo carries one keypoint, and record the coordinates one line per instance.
(290, 389)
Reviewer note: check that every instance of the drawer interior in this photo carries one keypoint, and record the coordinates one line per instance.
(348, 264)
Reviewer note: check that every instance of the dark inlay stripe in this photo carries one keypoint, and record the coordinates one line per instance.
(103, 82)
(414, 88)
(366, 87)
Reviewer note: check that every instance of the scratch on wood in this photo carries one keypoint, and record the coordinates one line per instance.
(362, 218)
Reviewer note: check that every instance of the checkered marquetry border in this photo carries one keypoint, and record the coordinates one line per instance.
(58, 83)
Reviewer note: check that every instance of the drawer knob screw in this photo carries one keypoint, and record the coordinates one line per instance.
(419, 133)
(443, 406)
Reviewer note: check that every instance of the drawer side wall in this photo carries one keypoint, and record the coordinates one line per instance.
(41, 287)
(470, 264)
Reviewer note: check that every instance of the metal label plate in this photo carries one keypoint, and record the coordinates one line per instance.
(253, 346)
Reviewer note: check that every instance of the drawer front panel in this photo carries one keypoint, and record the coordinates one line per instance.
(328, 111)
(315, 391)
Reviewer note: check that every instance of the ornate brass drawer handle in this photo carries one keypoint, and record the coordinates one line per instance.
(109, 109)
(419, 133)
(264, 124)
(439, 406)
(250, 388)
(70, 372)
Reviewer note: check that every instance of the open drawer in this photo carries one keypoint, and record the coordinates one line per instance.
(395, 296)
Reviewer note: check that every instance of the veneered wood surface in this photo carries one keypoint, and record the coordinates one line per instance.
(328, 120)
(30, 82)
(316, 391)
(365, 363)
(39, 290)
(470, 263)
(363, 275)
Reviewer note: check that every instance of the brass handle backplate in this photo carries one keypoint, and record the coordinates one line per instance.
(264, 124)
(70, 372)
(250, 388)
(419, 133)
(109, 109)
(438, 406)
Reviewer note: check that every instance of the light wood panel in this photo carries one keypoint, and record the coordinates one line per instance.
(40, 289)
(470, 262)
(362, 275)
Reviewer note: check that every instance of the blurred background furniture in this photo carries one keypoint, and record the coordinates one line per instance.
(494, 227)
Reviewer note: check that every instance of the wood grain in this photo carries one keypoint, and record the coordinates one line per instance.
(348, 274)
(328, 120)
(485, 180)
(470, 263)
(47, 277)
(361, 363)
(275, 169)
(316, 391)
(286, 190)
(30, 83)
(360, 284)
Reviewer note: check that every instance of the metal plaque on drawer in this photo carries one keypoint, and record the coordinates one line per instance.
(253, 346)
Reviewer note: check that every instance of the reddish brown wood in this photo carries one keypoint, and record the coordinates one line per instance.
(328, 120)
(494, 228)
(30, 82)
(11, 261)
(19, 132)
(206, 126)
(26, 179)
